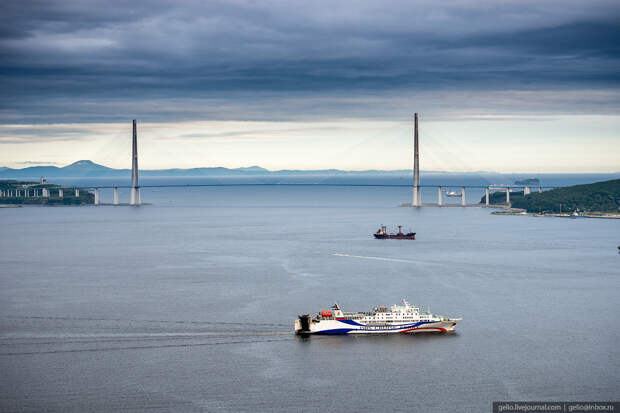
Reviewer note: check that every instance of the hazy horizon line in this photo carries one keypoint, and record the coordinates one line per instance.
(40, 164)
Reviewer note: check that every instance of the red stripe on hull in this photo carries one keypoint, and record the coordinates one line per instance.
(443, 330)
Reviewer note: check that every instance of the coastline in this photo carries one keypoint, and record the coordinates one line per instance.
(601, 215)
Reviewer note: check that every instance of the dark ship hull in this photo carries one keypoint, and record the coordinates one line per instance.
(395, 236)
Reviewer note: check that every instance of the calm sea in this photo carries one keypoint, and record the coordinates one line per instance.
(188, 304)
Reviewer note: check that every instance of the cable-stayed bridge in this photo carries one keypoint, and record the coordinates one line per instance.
(135, 194)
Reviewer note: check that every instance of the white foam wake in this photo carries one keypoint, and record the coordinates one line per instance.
(337, 254)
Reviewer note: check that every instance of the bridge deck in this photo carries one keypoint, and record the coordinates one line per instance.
(459, 205)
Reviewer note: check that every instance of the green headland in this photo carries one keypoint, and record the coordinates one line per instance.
(599, 197)
(34, 193)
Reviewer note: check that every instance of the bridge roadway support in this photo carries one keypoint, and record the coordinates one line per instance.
(526, 190)
(540, 189)
(46, 193)
(115, 196)
(96, 196)
(77, 192)
(439, 200)
(138, 200)
(463, 203)
(507, 196)
(486, 195)
(60, 193)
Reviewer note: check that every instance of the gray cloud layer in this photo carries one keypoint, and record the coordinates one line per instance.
(94, 60)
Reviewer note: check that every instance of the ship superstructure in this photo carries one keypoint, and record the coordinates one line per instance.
(404, 318)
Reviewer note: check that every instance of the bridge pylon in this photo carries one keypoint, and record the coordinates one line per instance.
(135, 188)
(416, 164)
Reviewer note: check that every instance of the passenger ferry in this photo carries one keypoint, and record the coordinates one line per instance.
(404, 318)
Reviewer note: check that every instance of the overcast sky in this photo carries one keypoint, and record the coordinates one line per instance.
(523, 86)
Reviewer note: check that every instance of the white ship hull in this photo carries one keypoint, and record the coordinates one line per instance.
(353, 327)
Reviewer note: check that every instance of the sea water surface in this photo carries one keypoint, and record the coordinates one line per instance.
(188, 304)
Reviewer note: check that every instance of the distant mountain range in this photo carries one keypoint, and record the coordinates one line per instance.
(87, 168)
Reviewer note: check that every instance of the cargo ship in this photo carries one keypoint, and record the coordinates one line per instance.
(404, 318)
(383, 234)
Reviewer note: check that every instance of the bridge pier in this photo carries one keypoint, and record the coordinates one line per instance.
(439, 200)
(135, 196)
(115, 196)
(526, 190)
(60, 193)
(486, 195)
(507, 196)
(540, 189)
(46, 193)
(96, 196)
(463, 196)
(77, 193)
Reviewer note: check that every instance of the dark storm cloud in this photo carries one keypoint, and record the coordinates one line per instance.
(101, 60)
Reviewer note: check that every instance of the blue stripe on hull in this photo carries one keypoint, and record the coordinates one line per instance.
(335, 331)
(364, 328)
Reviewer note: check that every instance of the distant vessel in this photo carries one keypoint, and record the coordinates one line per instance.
(453, 193)
(528, 181)
(383, 234)
(404, 318)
